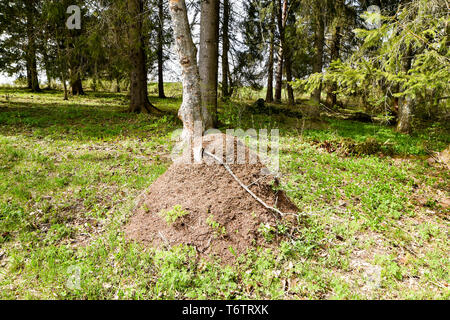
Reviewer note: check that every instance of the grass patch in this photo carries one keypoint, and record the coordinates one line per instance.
(373, 224)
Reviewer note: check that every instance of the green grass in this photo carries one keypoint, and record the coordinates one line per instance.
(372, 226)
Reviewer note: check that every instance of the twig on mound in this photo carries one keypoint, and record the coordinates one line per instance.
(166, 242)
(243, 185)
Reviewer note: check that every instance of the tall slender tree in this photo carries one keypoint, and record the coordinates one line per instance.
(319, 42)
(160, 51)
(31, 13)
(208, 60)
(225, 49)
(139, 101)
(335, 45)
(281, 19)
(270, 62)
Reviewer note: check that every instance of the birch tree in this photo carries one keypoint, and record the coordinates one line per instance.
(191, 111)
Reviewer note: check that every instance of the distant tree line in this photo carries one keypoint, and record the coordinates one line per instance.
(395, 62)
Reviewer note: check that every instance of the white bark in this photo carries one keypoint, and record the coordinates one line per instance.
(191, 107)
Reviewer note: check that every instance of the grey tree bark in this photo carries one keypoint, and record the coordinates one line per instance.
(334, 55)
(319, 41)
(269, 94)
(289, 89)
(160, 49)
(33, 81)
(225, 49)
(208, 60)
(191, 107)
(138, 76)
(405, 104)
(281, 17)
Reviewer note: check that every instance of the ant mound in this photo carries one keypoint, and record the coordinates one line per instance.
(207, 206)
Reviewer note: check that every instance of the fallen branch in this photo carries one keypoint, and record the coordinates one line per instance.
(242, 185)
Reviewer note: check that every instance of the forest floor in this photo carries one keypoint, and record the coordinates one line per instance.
(376, 212)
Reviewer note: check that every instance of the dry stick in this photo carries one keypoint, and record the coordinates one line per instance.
(166, 242)
(242, 185)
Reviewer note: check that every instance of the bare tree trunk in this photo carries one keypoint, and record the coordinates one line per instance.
(282, 10)
(319, 40)
(335, 48)
(62, 71)
(117, 85)
(225, 49)
(191, 107)
(160, 49)
(290, 91)
(94, 80)
(138, 76)
(208, 60)
(29, 82)
(405, 104)
(404, 115)
(66, 95)
(334, 54)
(269, 94)
(77, 87)
(31, 47)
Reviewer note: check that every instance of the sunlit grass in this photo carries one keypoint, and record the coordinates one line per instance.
(70, 172)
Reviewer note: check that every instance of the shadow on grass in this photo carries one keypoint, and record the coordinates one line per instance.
(80, 121)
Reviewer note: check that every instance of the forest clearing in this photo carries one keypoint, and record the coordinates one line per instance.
(312, 162)
(71, 172)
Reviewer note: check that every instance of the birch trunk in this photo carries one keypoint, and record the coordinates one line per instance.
(191, 108)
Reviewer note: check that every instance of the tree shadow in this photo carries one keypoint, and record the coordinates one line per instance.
(80, 121)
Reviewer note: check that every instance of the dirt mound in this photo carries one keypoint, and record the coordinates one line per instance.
(204, 206)
(442, 158)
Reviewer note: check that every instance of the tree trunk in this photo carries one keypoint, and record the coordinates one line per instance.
(62, 75)
(269, 94)
(405, 104)
(335, 47)
(77, 87)
(319, 40)
(290, 91)
(138, 76)
(29, 82)
(225, 49)
(95, 77)
(208, 62)
(117, 85)
(191, 108)
(334, 54)
(160, 49)
(282, 10)
(66, 95)
(31, 47)
(405, 111)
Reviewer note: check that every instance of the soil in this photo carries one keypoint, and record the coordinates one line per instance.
(442, 158)
(208, 193)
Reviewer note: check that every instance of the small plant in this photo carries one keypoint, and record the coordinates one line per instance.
(173, 215)
(218, 228)
(267, 231)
